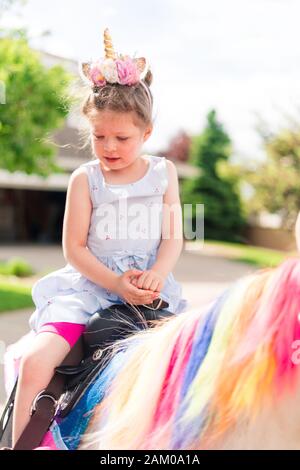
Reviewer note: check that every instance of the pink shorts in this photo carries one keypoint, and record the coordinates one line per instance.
(69, 331)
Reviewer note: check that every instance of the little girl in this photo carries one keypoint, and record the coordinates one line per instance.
(112, 257)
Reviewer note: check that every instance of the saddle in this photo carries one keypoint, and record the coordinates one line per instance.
(79, 369)
(103, 329)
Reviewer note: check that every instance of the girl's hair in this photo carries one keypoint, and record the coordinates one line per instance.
(122, 98)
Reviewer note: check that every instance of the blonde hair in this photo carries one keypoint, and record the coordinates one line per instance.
(122, 98)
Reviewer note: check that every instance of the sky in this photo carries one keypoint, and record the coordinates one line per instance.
(239, 57)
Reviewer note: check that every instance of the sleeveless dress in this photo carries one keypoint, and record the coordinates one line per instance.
(122, 235)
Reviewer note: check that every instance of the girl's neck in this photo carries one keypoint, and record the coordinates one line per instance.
(135, 171)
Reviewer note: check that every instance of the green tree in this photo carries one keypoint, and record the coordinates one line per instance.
(216, 186)
(276, 180)
(35, 104)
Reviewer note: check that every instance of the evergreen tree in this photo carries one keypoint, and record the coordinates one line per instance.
(223, 218)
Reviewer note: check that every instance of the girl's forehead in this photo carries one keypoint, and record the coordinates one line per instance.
(112, 121)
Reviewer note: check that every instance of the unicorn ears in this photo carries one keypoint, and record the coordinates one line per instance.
(85, 69)
(113, 68)
(142, 66)
(84, 72)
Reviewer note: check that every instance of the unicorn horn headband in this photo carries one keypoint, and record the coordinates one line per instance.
(114, 68)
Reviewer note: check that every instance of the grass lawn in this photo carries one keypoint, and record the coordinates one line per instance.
(14, 296)
(256, 256)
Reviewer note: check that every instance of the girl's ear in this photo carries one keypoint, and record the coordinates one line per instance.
(297, 232)
(147, 132)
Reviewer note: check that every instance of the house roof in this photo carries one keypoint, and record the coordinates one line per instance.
(20, 180)
(59, 181)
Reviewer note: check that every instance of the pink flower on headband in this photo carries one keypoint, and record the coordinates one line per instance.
(127, 71)
(96, 76)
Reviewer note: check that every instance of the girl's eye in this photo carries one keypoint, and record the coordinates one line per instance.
(98, 137)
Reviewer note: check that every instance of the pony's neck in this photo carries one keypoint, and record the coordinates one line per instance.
(276, 427)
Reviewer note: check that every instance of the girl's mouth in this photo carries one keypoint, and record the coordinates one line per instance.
(111, 160)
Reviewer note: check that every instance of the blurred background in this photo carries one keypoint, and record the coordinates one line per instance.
(226, 92)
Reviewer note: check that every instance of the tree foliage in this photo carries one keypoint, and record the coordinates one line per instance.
(35, 104)
(214, 187)
(276, 180)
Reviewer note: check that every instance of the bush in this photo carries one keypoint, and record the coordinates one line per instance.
(16, 267)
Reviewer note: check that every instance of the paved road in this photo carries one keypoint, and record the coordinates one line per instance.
(202, 278)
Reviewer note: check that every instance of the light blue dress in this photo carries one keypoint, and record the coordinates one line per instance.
(124, 233)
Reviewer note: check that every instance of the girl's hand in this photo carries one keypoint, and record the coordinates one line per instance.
(129, 292)
(150, 280)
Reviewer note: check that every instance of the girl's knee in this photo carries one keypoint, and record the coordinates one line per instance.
(31, 367)
(39, 362)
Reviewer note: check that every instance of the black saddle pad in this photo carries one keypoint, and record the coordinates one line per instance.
(103, 329)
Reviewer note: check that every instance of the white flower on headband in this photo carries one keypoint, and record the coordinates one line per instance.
(114, 68)
(109, 70)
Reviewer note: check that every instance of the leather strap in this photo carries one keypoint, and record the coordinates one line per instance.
(44, 414)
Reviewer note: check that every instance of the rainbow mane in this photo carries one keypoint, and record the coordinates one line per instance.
(197, 379)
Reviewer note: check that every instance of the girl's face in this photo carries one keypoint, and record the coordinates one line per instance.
(116, 139)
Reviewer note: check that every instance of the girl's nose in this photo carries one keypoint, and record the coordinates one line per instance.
(109, 145)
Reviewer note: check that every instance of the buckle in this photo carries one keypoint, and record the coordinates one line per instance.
(161, 304)
(97, 354)
(157, 304)
(41, 395)
(156, 307)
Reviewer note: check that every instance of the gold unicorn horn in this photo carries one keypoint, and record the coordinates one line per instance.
(108, 47)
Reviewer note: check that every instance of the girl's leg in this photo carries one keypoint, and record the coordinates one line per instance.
(36, 370)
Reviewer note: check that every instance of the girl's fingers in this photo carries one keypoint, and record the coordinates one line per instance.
(139, 293)
(144, 293)
(147, 284)
(141, 281)
(154, 285)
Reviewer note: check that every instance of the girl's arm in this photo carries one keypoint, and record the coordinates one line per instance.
(75, 231)
(172, 239)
